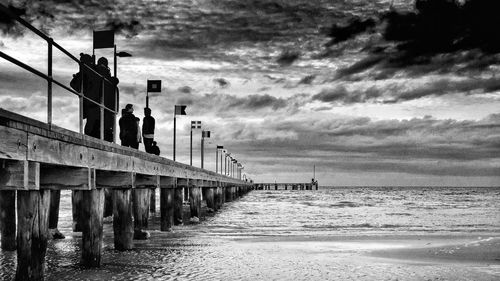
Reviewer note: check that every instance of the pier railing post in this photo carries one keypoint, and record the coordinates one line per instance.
(182, 184)
(167, 194)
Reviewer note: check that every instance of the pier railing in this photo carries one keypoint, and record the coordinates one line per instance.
(50, 80)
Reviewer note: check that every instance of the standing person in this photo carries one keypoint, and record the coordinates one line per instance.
(128, 127)
(90, 90)
(155, 149)
(139, 138)
(148, 129)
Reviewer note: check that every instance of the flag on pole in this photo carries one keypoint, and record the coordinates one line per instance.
(180, 110)
(220, 147)
(154, 86)
(195, 124)
(205, 134)
(104, 39)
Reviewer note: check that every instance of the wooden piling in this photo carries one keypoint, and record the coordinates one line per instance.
(76, 203)
(92, 228)
(209, 196)
(182, 184)
(167, 194)
(108, 203)
(228, 195)
(123, 221)
(32, 233)
(195, 198)
(152, 200)
(55, 198)
(8, 219)
(140, 198)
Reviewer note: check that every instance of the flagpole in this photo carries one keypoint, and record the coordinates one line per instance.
(202, 151)
(191, 147)
(216, 160)
(174, 133)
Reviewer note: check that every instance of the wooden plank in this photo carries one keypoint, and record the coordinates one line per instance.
(146, 181)
(111, 179)
(45, 150)
(61, 177)
(14, 144)
(22, 175)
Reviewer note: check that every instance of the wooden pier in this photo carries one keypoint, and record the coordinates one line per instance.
(286, 186)
(38, 160)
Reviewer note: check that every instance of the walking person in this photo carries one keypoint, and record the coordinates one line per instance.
(148, 129)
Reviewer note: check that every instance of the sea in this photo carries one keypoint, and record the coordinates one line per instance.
(288, 235)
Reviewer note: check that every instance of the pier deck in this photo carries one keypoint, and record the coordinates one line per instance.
(38, 160)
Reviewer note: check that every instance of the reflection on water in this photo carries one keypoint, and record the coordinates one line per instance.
(226, 246)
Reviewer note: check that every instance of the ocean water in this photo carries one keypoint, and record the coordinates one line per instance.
(290, 235)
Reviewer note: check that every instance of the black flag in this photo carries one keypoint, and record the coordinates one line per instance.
(205, 134)
(180, 110)
(154, 86)
(220, 147)
(104, 39)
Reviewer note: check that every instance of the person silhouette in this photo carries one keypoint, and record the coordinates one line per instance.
(148, 129)
(128, 127)
(154, 149)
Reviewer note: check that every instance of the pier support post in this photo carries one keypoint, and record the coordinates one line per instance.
(228, 196)
(152, 200)
(108, 203)
(8, 219)
(209, 196)
(76, 203)
(167, 194)
(140, 198)
(195, 198)
(32, 233)
(55, 199)
(92, 211)
(123, 221)
(182, 184)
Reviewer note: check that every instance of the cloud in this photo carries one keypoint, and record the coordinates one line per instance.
(287, 57)
(223, 83)
(355, 26)
(407, 90)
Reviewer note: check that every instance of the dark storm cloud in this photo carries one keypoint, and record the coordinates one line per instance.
(438, 35)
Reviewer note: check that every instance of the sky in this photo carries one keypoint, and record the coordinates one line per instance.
(368, 92)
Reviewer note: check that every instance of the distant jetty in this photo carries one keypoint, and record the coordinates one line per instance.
(313, 185)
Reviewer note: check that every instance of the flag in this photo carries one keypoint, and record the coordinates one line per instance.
(154, 86)
(195, 124)
(220, 147)
(205, 134)
(104, 39)
(180, 110)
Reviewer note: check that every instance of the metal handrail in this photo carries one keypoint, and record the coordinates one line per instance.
(50, 79)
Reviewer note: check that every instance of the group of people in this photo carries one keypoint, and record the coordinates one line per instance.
(89, 80)
(130, 130)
